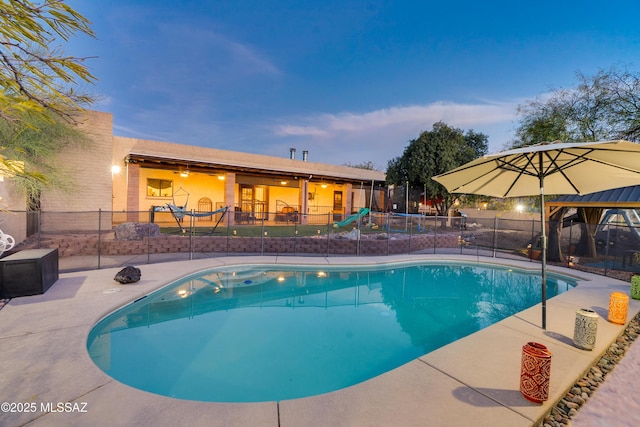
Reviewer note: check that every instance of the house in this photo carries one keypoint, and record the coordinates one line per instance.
(135, 180)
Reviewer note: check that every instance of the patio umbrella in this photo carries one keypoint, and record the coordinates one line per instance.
(548, 168)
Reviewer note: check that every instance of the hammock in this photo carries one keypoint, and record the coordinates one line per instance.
(182, 194)
(179, 213)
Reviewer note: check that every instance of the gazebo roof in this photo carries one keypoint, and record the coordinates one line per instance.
(624, 197)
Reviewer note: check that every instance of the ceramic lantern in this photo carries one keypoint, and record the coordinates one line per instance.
(618, 306)
(635, 287)
(586, 329)
(535, 372)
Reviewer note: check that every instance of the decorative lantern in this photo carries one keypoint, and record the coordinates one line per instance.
(635, 287)
(586, 329)
(618, 306)
(535, 372)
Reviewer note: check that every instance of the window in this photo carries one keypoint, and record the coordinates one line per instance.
(159, 188)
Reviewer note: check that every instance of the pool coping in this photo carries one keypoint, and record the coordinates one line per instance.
(44, 360)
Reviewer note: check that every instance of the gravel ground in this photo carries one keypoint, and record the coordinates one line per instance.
(582, 390)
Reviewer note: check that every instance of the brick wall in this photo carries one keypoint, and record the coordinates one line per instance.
(87, 244)
(89, 170)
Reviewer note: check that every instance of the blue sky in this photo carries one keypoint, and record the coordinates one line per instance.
(349, 81)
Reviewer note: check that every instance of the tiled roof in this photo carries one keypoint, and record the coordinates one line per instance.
(212, 157)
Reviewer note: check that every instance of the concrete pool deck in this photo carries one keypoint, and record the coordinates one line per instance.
(473, 381)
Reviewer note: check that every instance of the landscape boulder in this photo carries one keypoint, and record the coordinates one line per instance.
(136, 231)
(129, 274)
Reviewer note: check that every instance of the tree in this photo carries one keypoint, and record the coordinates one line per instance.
(432, 153)
(38, 97)
(35, 77)
(29, 147)
(604, 106)
(368, 165)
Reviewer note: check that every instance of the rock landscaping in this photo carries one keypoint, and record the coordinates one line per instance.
(582, 390)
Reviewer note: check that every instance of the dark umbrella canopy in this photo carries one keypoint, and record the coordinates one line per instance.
(548, 168)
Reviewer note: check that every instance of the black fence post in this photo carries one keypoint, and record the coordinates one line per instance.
(533, 222)
(151, 220)
(570, 254)
(191, 234)
(39, 228)
(495, 236)
(388, 232)
(328, 231)
(358, 241)
(410, 225)
(262, 236)
(606, 250)
(435, 233)
(99, 233)
(228, 229)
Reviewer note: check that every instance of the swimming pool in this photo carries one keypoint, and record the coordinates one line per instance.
(270, 333)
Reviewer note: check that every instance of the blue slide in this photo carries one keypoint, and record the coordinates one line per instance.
(362, 212)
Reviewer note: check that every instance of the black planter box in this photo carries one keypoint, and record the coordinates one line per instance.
(28, 272)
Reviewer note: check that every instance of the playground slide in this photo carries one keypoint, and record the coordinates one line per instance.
(362, 212)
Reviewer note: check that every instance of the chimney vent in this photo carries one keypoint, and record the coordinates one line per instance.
(305, 155)
(292, 153)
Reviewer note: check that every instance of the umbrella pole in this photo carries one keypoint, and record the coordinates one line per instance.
(543, 243)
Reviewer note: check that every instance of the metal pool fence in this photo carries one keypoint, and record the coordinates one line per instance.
(101, 239)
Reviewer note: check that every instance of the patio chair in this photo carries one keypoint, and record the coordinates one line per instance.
(6, 242)
(287, 214)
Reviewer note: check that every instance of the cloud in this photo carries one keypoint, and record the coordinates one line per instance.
(381, 135)
(415, 117)
(249, 57)
(290, 130)
(213, 52)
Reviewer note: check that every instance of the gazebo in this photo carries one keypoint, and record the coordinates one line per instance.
(589, 211)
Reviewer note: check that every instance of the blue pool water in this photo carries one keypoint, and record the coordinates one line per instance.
(265, 333)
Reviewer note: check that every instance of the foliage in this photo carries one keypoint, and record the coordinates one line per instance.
(605, 106)
(38, 96)
(368, 165)
(28, 152)
(36, 78)
(432, 153)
